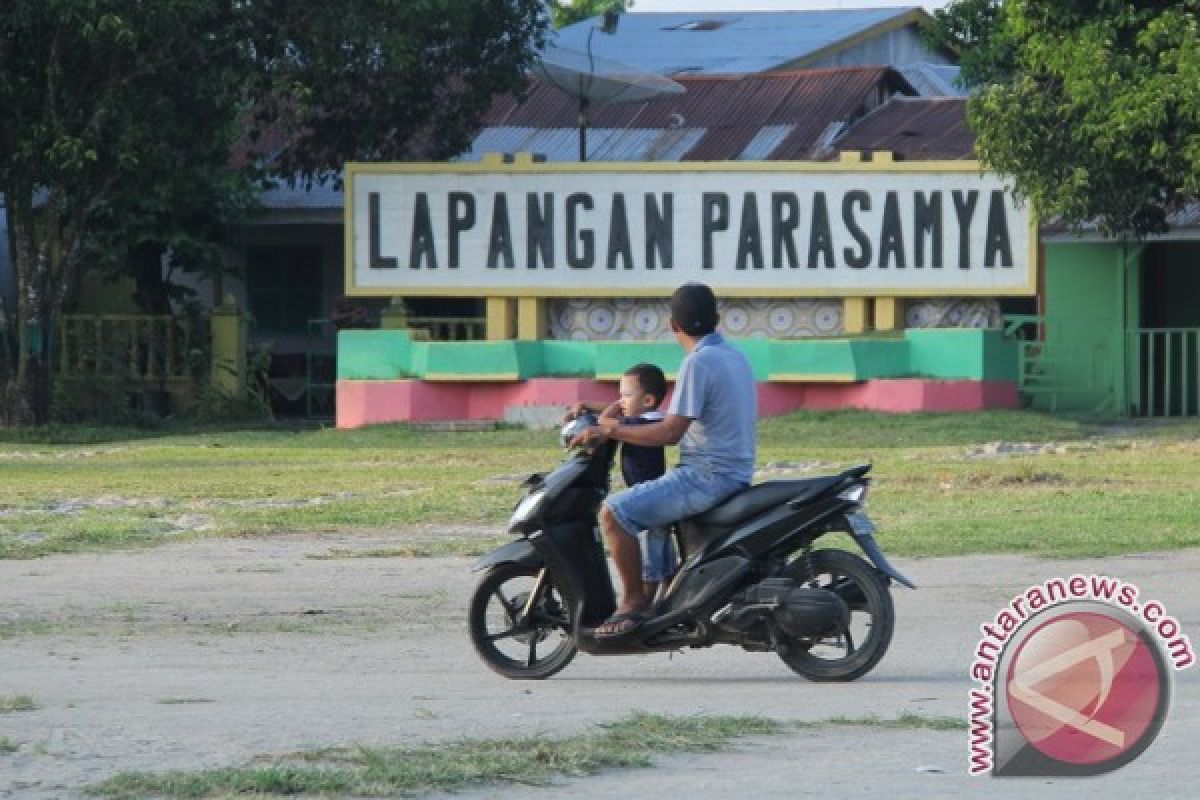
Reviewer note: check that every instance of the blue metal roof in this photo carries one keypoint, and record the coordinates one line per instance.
(934, 80)
(321, 196)
(731, 42)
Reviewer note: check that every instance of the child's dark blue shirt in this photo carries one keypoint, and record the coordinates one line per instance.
(640, 463)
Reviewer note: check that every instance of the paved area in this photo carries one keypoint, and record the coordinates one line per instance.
(209, 653)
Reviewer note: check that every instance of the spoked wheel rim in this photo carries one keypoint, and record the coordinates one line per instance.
(516, 637)
(844, 643)
(854, 649)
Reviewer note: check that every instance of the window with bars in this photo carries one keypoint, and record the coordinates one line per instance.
(283, 288)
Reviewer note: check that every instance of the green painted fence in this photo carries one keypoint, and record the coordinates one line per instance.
(1167, 362)
(134, 347)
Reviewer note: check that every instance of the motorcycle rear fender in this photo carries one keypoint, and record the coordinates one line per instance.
(869, 546)
(866, 541)
(518, 551)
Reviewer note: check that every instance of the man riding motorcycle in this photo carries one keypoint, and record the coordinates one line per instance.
(712, 417)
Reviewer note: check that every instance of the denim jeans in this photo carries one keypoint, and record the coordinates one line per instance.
(652, 506)
(658, 554)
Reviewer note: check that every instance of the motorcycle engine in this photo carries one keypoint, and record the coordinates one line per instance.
(797, 610)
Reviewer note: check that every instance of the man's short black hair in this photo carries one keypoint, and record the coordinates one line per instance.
(652, 381)
(694, 309)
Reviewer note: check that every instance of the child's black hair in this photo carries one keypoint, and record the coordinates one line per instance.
(652, 381)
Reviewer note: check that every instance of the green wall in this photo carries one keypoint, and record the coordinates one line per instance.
(1090, 298)
(945, 354)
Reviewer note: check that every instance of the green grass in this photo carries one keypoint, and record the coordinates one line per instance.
(91, 489)
(449, 546)
(10, 629)
(390, 772)
(91, 625)
(906, 721)
(10, 703)
(7, 746)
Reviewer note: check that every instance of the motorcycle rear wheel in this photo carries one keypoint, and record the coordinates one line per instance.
(842, 657)
(505, 639)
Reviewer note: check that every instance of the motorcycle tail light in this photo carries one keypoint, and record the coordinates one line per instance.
(855, 494)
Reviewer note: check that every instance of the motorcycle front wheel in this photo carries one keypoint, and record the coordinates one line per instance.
(854, 651)
(512, 642)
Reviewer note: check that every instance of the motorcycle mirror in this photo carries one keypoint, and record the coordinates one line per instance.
(576, 427)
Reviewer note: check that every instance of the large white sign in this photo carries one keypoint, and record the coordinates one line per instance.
(762, 229)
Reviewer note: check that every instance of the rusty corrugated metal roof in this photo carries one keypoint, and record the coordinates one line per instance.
(914, 128)
(738, 115)
(604, 144)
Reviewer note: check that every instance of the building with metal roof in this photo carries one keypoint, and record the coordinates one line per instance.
(706, 43)
(777, 115)
(934, 80)
(912, 129)
(770, 116)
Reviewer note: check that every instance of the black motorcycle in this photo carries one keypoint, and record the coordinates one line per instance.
(750, 576)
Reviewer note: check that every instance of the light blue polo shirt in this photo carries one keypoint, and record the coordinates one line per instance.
(716, 389)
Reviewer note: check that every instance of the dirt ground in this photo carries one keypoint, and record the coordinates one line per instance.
(209, 653)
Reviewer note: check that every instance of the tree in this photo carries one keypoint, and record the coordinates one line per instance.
(119, 115)
(183, 218)
(968, 28)
(1094, 108)
(568, 12)
(383, 79)
(93, 100)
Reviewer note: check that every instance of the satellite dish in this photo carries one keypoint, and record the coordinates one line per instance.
(598, 80)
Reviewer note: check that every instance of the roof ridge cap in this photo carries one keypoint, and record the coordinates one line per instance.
(825, 70)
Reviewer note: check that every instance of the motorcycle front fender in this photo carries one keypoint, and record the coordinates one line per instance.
(518, 551)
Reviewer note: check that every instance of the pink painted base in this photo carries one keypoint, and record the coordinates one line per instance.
(898, 395)
(368, 402)
(362, 403)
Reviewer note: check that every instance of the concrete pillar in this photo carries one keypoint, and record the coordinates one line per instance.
(854, 314)
(229, 332)
(395, 316)
(889, 313)
(531, 318)
(501, 318)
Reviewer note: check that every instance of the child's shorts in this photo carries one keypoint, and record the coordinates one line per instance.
(658, 555)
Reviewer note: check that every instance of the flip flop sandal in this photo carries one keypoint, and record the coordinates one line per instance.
(619, 624)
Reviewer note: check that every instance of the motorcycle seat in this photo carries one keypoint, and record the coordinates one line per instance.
(762, 497)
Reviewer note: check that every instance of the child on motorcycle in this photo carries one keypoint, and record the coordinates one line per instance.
(642, 390)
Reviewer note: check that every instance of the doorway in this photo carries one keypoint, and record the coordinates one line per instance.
(1166, 345)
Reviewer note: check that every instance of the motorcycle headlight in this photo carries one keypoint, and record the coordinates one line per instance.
(525, 509)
